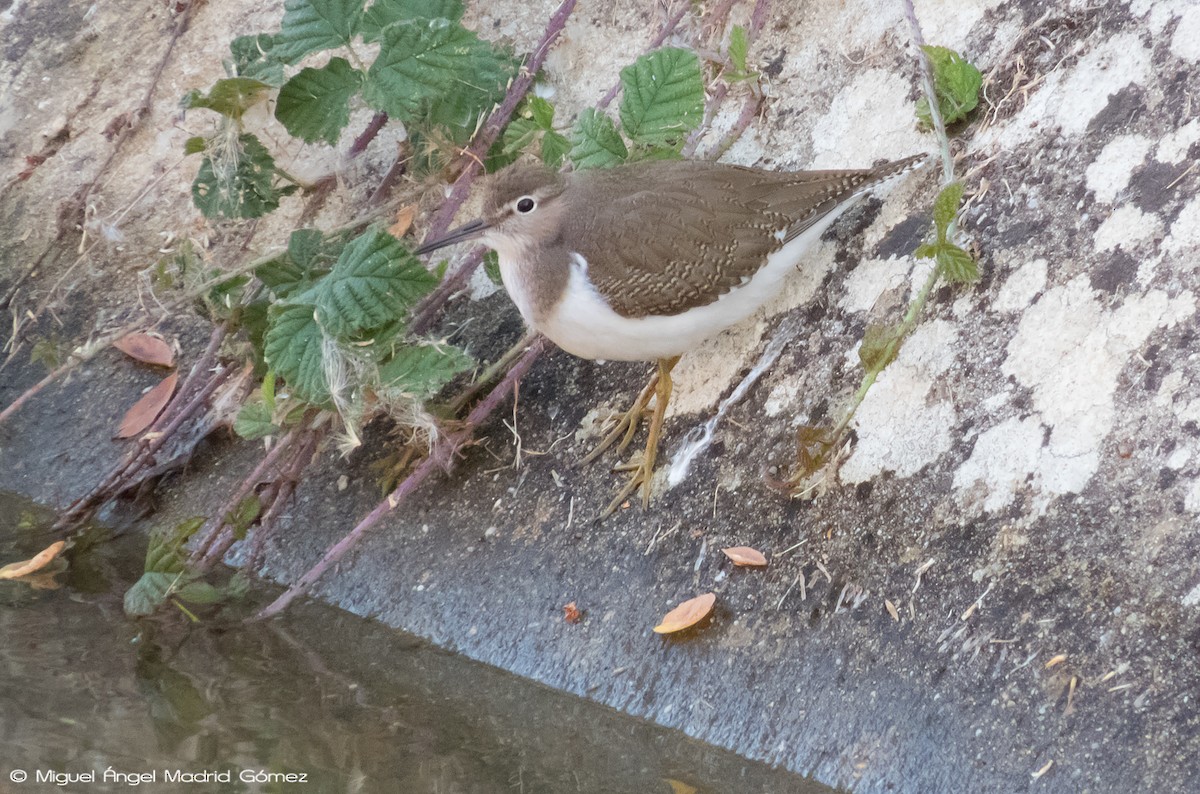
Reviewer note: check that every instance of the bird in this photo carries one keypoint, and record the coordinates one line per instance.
(644, 261)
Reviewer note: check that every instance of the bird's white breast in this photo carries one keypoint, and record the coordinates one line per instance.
(583, 324)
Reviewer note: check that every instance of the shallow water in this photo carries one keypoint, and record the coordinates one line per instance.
(334, 701)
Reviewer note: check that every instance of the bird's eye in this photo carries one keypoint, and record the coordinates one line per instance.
(525, 204)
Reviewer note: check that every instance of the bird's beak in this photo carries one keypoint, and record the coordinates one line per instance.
(467, 231)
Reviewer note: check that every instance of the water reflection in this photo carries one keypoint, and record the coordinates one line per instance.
(346, 704)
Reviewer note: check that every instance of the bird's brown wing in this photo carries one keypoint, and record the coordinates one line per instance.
(661, 238)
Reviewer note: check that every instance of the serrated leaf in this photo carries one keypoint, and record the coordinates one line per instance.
(374, 282)
(252, 57)
(420, 63)
(945, 208)
(956, 264)
(595, 142)
(311, 25)
(955, 82)
(541, 111)
(420, 371)
(254, 422)
(282, 276)
(739, 49)
(554, 149)
(230, 97)
(926, 251)
(194, 145)
(663, 96)
(518, 135)
(880, 345)
(292, 348)
(315, 104)
(386, 12)
(238, 183)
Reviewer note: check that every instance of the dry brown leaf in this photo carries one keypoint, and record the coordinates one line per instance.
(34, 563)
(891, 608)
(145, 410)
(679, 787)
(571, 613)
(404, 220)
(745, 556)
(146, 348)
(687, 614)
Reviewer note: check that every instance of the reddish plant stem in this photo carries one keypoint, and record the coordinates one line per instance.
(667, 29)
(280, 497)
(442, 459)
(491, 129)
(367, 135)
(32, 391)
(200, 553)
(425, 314)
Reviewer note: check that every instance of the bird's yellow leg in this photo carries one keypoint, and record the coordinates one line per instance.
(627, 425)
(643, 471)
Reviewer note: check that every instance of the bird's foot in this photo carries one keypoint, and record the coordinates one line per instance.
(641, 466)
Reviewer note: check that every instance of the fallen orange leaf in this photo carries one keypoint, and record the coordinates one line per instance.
(571, 613)
(146, 348)
(687, 614)
(744, 555)
(679, 787)
(145, 410)
(34, 563)
(404, 219)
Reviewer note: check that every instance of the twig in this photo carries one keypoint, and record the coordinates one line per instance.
(935, 111)
(367, 135)
(442, 459)
(492, 128)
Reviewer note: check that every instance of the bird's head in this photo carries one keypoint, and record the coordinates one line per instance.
(521, 208)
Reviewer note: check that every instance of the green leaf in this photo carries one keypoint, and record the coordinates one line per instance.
(230, 97)
(165, 551)
(252, 57)
(926, 251)
(315, 104)
(491, 267)
(254, 422)
(663, 96)
(194, 145)
(595, 142)
(420, 63)
(311, 25)
(292, 348)
(149, 592)
(945, 208)
(268, 390)
(738, 49)
(199, 592)
(879, 346)
(420, 371)
(554, 149)
(243, 515)
(955, 82)
(956, 264)
(305, 246)
(375, 281)
(518, 135)
(541, 111)
(237, 182)
(385, 12)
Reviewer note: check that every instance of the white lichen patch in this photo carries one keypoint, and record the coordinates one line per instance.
(1069, 351)
(1185, 42)
(1173, 147)
(1126, 227)
(1002, 460)
(870, 279)
(1022, 286)
(1109, 174)
(1191, 502)
(1184, 237)
(901, 426)
(951, 29)
(1159, 13)
(869, 119)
